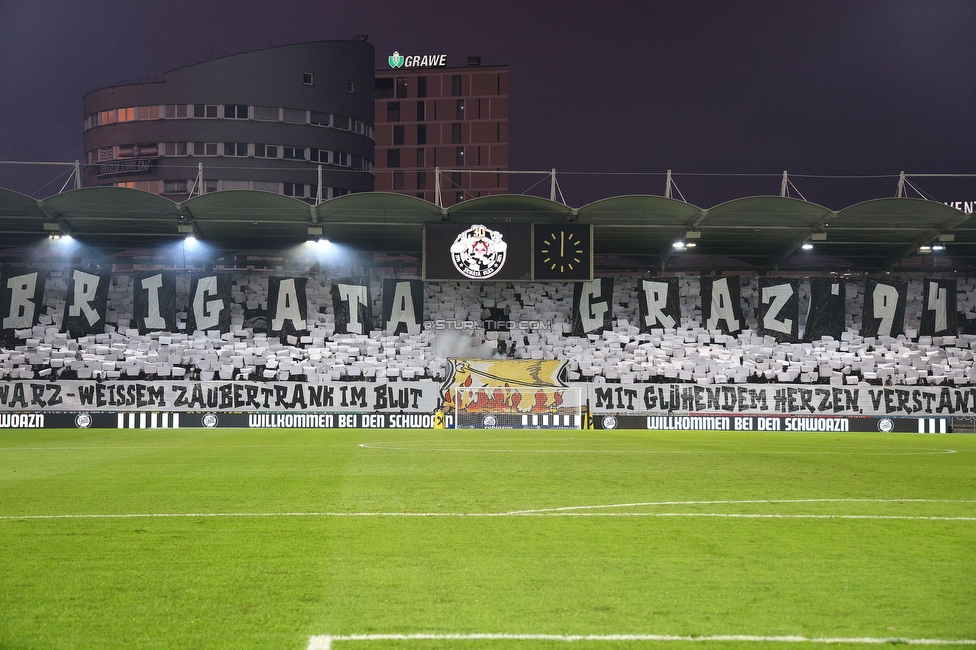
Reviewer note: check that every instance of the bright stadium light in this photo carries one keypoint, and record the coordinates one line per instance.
(679, 245)
(807, 246)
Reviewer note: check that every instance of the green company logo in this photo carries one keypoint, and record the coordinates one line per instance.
(396, 60)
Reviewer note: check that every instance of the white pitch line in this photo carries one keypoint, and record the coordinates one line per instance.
(564, 511)
(325, 642)
(735, 502)
(475, 450)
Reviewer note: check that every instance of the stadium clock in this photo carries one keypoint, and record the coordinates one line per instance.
(562, 252)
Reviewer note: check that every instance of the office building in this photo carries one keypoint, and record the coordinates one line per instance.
(455, 119)
(277, 119)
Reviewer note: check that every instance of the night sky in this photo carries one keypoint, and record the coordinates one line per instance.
(843, 88)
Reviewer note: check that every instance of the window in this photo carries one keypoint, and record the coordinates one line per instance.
(393, 112)
(421, 134)
(421, 157)
(340, 122)
(294, 116)
(456, 85)
(235, 149)
(204, 148)
(421, 86)
(397, 134)
(456, 132)
(209, 186)
(359, 127)
(307, 79)
(174, 148)
(392, 157)
(174, 111)
(350, 86)
(294, 153)
(459, 197)
(265, 151)
(384, 88)
(174, 187)
(398, 180)
(320, 155)
(204, 110)
(266, 113)
(266, 186)
(235, 111)
(459, 156)
(421, 180)
(298, 190)
(460, 110)
(456, 179)
(401, 86)
(421, 111)
(320, 119)
(340, 158)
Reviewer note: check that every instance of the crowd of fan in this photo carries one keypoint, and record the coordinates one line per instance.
(621, 354)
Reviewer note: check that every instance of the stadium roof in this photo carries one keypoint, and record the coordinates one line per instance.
(634, 231)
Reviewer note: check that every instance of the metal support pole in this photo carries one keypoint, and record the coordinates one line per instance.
(437, 188)
(782, 186)
(77, 175)
(318, 192)
(900, 193)
(201, 190)
(552, 186)
(667, 186)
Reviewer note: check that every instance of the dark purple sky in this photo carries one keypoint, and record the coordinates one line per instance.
(712, 87)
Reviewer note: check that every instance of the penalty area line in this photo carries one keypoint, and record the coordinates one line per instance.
(325, 642)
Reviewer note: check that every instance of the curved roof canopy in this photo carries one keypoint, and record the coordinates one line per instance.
(633, 231)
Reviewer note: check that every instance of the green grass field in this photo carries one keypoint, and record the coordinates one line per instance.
(268, 538)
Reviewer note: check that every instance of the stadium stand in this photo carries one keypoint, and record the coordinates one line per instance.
(622, 354)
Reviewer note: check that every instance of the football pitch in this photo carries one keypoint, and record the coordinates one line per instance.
(359, 539)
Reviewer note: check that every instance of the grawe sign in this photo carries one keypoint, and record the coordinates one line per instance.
(397, 60)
